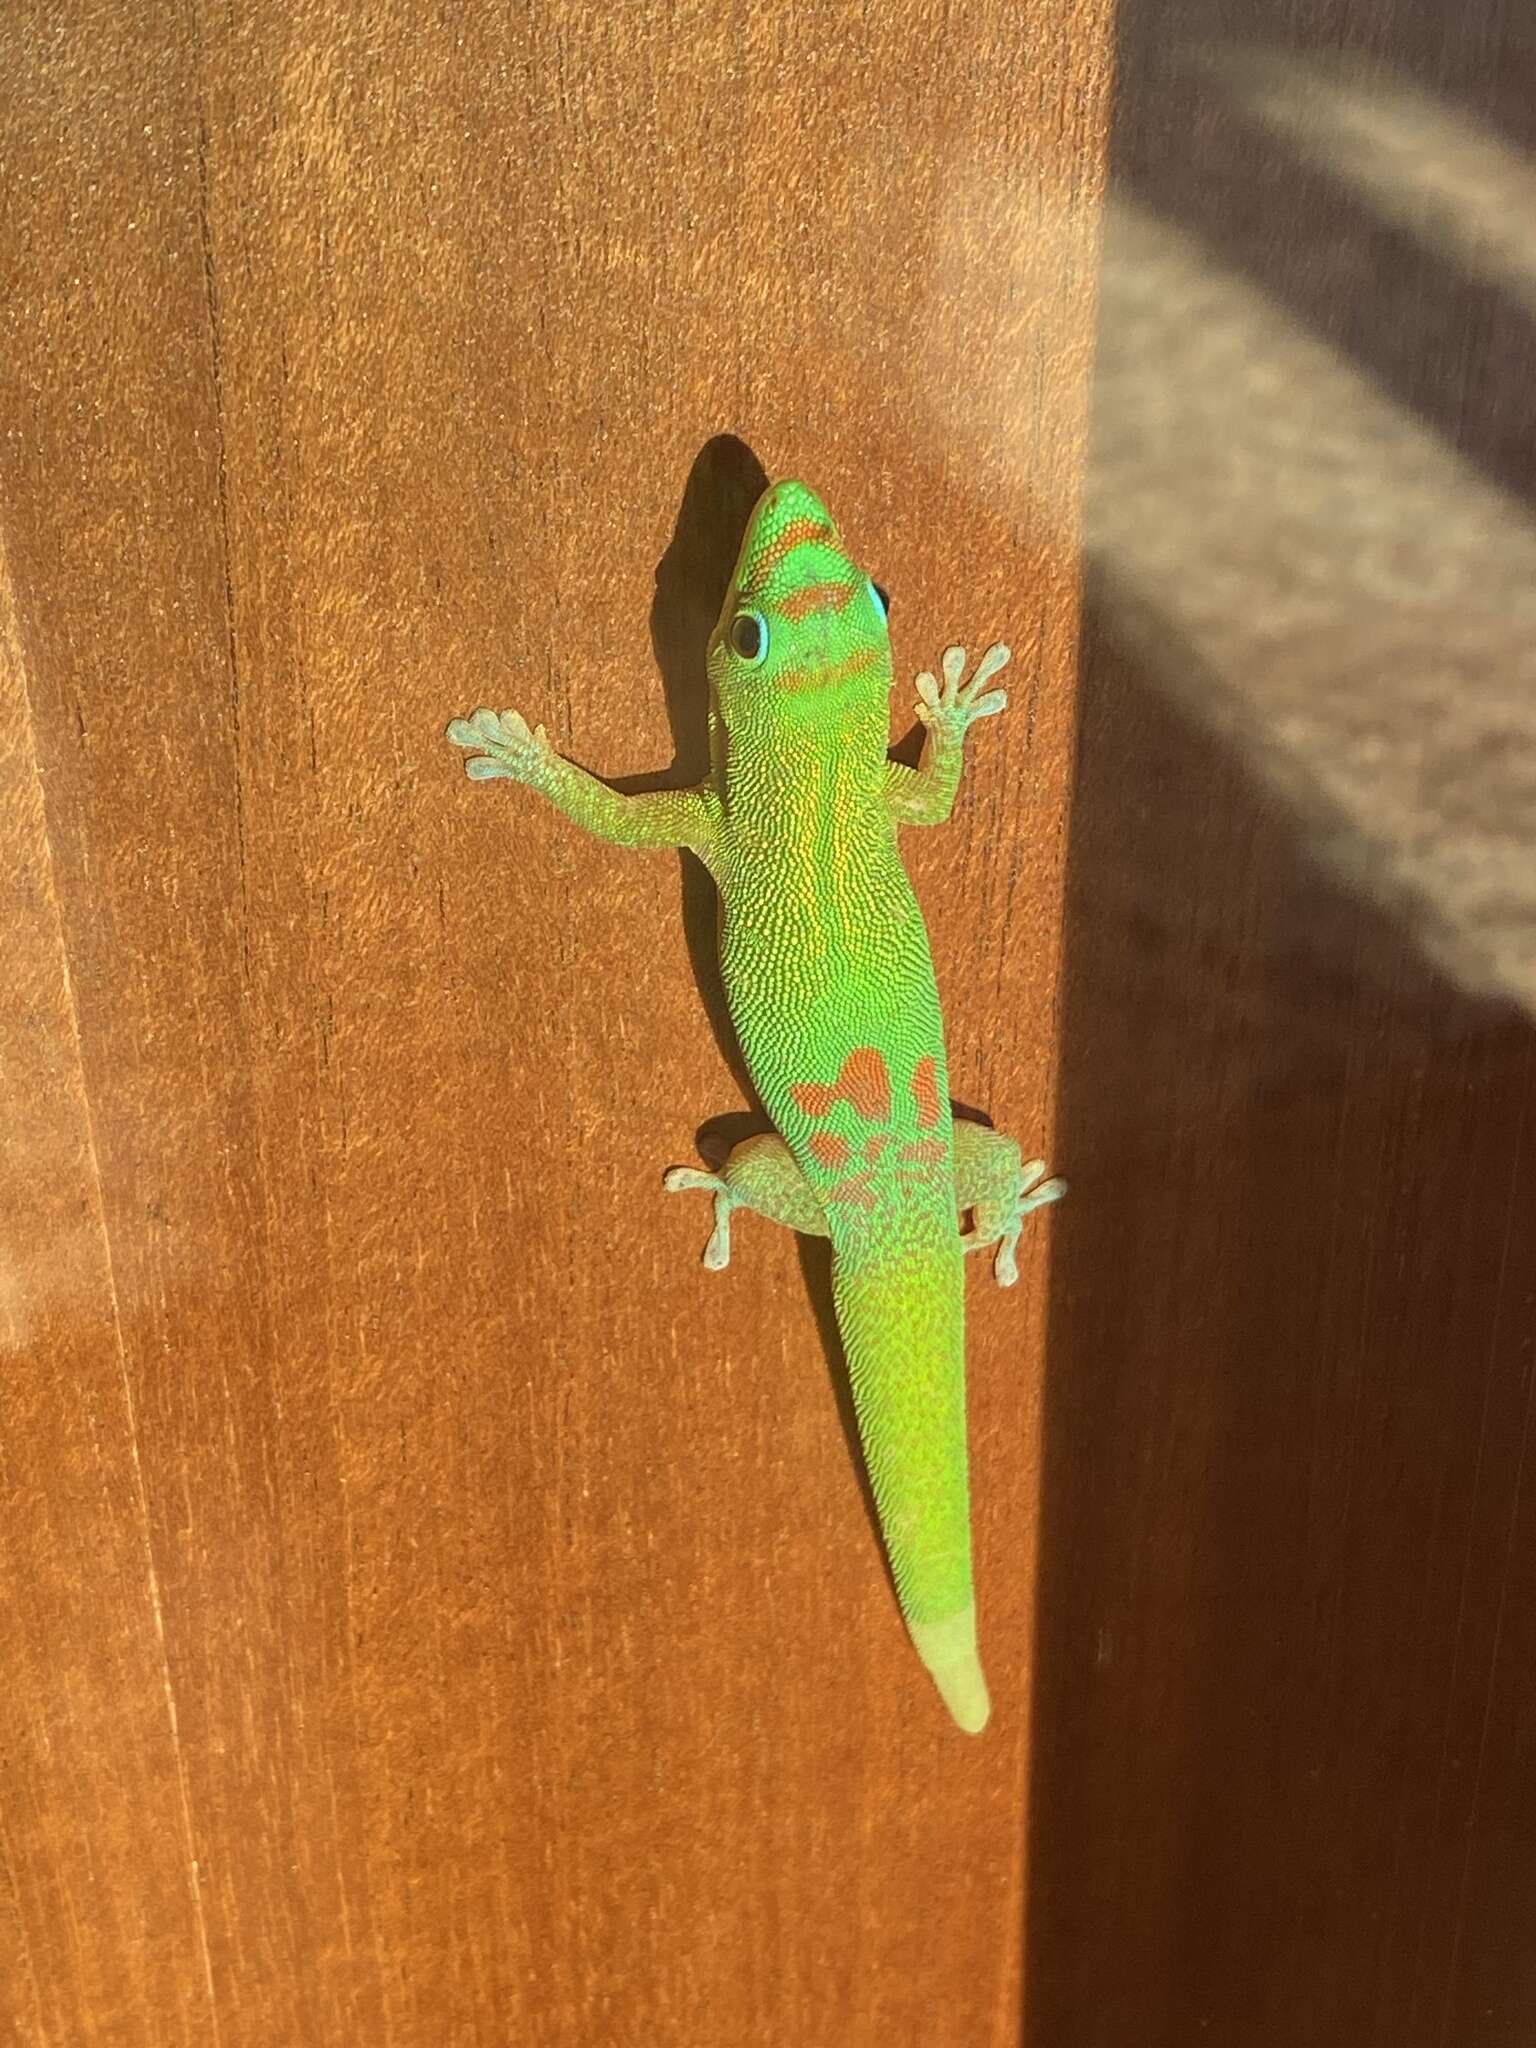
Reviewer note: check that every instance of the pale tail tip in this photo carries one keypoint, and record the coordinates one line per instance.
(948, 1648)
(964, 1692)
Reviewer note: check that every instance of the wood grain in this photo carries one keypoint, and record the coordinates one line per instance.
(435, 1610)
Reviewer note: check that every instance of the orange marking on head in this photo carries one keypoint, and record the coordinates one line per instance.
(797, 534)
(828, 678)
(816, 597)
(863, 1083)
(925, 1091)
(828, 1149)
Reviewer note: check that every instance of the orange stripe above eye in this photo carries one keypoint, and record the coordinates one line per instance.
(815, 597)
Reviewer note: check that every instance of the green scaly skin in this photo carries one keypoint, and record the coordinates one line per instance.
(830, 982)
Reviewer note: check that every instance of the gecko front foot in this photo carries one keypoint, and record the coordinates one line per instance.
(951, 707)
(504, 746)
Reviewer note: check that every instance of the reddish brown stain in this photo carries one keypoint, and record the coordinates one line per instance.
(925, 1091)
(863, 1083)
(830, 1150)
(816, 597)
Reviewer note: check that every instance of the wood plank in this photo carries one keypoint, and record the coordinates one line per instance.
(533, 1665)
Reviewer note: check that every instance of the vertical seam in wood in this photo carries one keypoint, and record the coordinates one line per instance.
(221, 471)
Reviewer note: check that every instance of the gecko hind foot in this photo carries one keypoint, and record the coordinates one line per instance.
(1000, 1190)
(760, 1177)
(679, 1180)
(1035, 1191)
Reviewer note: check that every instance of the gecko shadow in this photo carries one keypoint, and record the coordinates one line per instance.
(692, 577)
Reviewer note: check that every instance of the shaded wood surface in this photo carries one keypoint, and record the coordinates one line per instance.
(1282, 1774)
(434, 1609)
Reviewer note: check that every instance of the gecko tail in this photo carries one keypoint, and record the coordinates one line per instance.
(900, 1305)
(948, 1649)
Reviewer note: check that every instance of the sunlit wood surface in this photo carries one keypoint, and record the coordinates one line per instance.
(432, 1609)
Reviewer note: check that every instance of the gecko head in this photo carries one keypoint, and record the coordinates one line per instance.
(802, 632)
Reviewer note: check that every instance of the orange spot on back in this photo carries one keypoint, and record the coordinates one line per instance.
(830, 1150)
(855, 1190)
(815, 597)
(863, 1083)
(925, 1091)
(875, 1144)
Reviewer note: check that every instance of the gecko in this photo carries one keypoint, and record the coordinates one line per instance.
(830, 985)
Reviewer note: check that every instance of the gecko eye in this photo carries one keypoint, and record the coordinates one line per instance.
(882, 602)
(748, 636)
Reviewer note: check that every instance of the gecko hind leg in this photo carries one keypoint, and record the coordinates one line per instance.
(992, 1180)
(999, 1187)
(678, 1180)
(760, 1174)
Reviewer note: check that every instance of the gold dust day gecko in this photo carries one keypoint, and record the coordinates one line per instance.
(827, 972)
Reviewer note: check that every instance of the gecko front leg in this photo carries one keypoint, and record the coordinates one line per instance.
(925, 795)
(504, 745)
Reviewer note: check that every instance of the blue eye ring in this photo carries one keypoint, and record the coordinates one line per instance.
(880, 604)
(747, 637)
